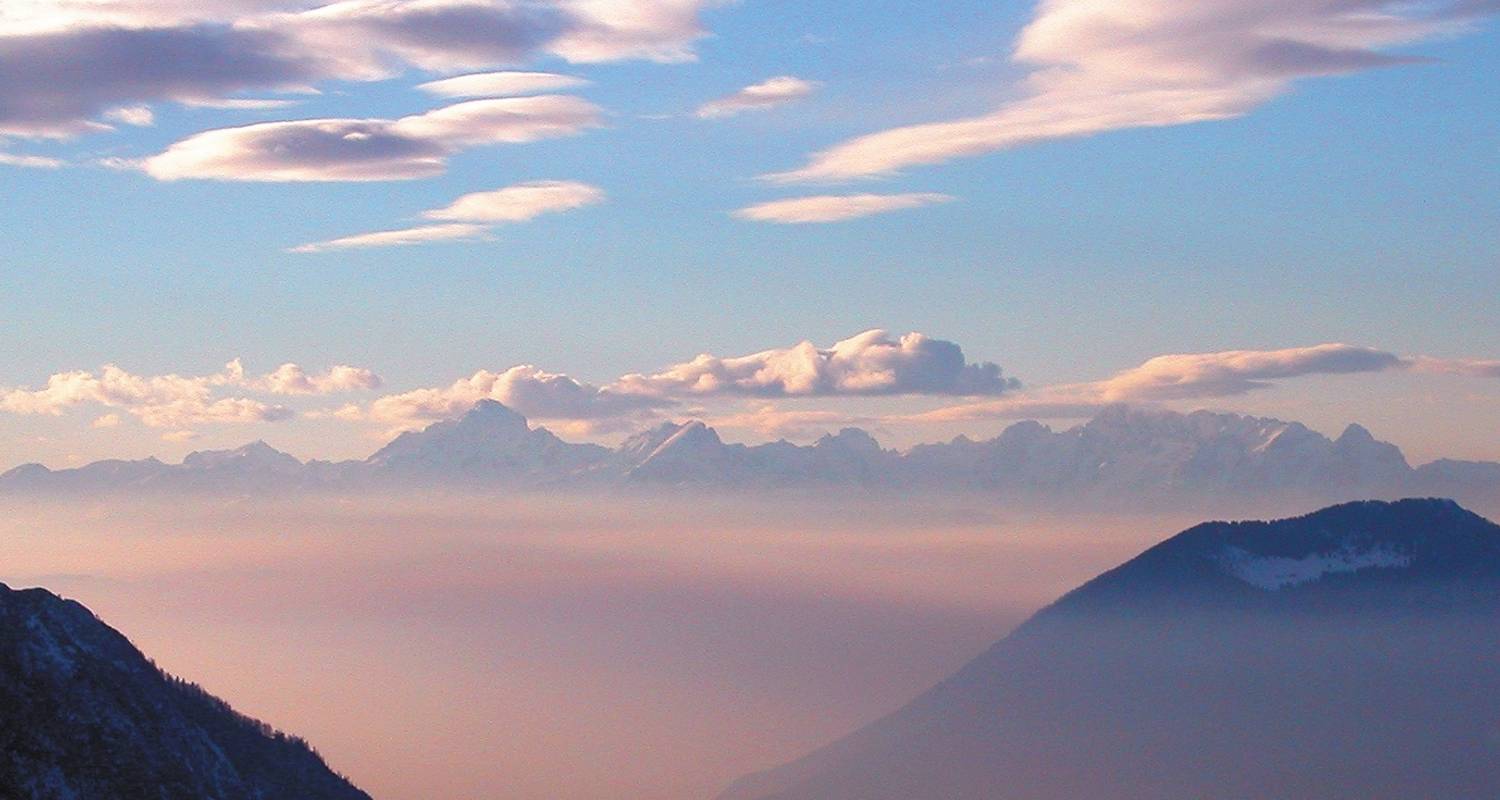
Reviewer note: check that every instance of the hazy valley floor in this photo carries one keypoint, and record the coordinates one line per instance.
(554, 648)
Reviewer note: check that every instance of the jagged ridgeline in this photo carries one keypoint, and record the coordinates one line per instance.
(1352, 654)
(85, 716)
(1122, 452)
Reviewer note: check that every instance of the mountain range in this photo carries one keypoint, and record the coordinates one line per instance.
(1123, 450)
(85, 716)
(1346, 655)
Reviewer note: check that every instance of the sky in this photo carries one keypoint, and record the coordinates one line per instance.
(783, 217)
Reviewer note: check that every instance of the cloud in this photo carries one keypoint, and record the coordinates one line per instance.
(1235, 372)
(1472, 367)
(519, 203)
(106, 421)
(422, 234)
(472, 215)
(293, 379)
(836, 208)
(768, 94)
(57, 82)
(1101, 66)
(369, 149)
(1186, 376)
(871, 363)
(242, 103)
(30, 162)
(501, 84)
(614, 30)
(180, 436)
(138, 116)
(525, 389)
(178, 401)
(772, 421)
(64, 63)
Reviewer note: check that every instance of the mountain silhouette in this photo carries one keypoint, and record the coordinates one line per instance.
(85, 716)
(1351, 653)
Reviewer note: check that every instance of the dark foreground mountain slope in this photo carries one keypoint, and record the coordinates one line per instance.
(1352, 653)
(84, 716)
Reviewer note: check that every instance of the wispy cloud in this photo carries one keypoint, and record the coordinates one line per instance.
(474, 215)
(64, 64)
(1184, 376)
(369, 149)
(397, 237)
(501, 84)
(836, 208)
(1103, 66)
(519, 203)
(30, 162)
(768, 94)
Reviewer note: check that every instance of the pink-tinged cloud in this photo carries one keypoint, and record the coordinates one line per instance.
(179, 401)
(417, 146)
(65, 63)
(526, 389)
(1100, 66)
(501, 84)
(473, 216)
(398, 237)
(871, 363)
(836, 208)
(1183, 376)
(767, 94)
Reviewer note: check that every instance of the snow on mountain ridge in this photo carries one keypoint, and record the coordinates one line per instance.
(1279, 572)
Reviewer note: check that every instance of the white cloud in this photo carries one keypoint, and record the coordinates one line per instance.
(242, 103)
(519, 203)
(138, 116)
(871, 363)
(1185, 376)
(293, 379)
(525, 389)
(64, 63)
(472, 215)
(836, 208)
(369, 149)
(771, 93)
(1472, 367)
(30, 162)
(106, 421)
(423, 234)
(1102, 65)
(501, 84)
(178, 401)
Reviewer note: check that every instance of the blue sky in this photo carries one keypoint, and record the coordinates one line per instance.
(1356, 207)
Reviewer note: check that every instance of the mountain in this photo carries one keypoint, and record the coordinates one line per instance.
(84, 715)
(1350, 653)
(1122, 452)
(489, 443)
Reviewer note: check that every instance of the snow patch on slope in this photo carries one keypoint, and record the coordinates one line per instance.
(1278, 572)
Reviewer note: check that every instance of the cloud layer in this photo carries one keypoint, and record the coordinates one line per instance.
(1184, 376)
(767, 94)
(1100, 66)
(836, 208)
(474, 215)
(525, 388)
(65, 63)
(417, 146)
(177, 401)
(869, 364)
(501, 84)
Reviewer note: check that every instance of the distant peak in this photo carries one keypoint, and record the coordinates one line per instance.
(1356, 433)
